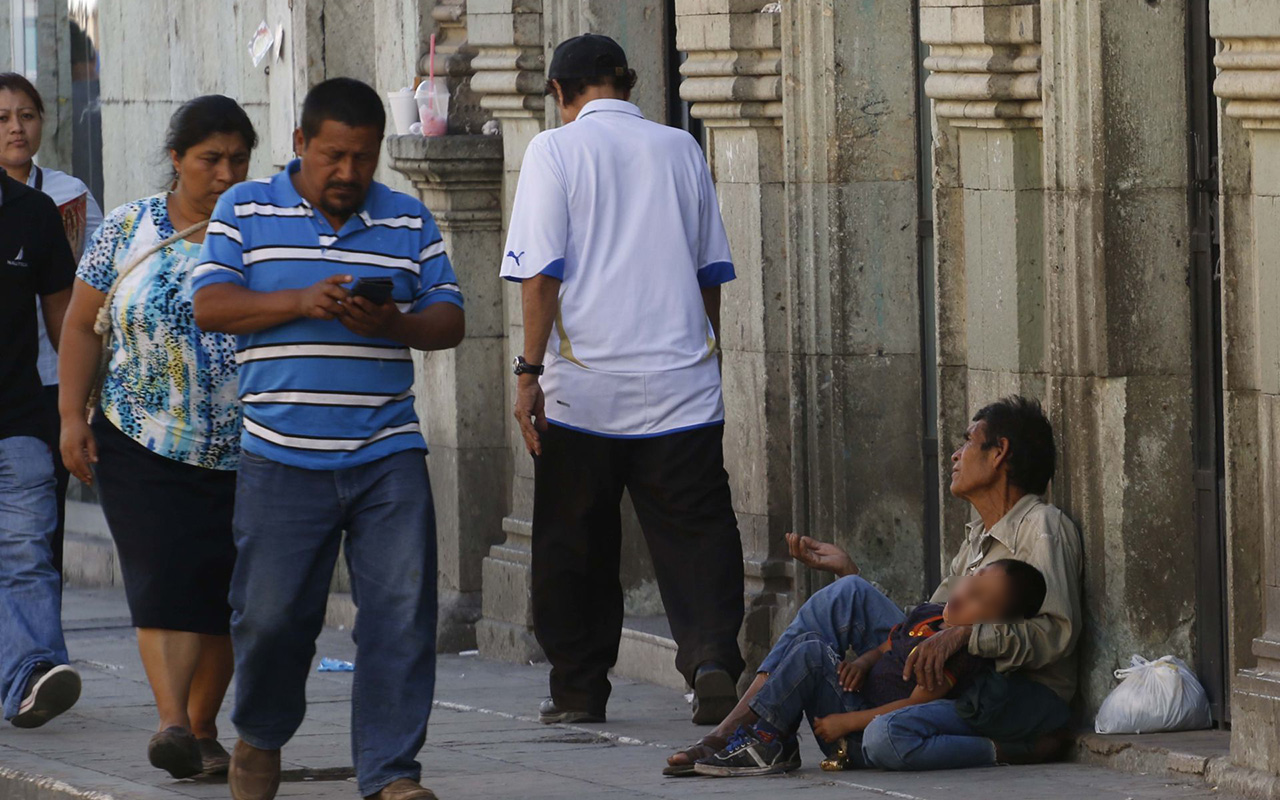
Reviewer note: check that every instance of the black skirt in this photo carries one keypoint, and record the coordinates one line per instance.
(171, 523)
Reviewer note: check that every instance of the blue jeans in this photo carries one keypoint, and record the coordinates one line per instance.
(288, 526)
(30, 587)
(847, 613)
(924, 737)
(806, 682)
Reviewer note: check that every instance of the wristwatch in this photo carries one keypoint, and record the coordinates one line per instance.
(522, 367)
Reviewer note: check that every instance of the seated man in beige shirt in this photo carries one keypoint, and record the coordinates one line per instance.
(1002, 468)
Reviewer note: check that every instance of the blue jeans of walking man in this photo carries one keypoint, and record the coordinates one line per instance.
(289, 523)
(30, 587)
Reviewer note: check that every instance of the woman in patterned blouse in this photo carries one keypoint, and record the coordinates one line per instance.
(164, 442)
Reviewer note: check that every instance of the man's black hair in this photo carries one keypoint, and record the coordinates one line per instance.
(1026, 587)
(572, 88)
(1032, 453)
(346, 100)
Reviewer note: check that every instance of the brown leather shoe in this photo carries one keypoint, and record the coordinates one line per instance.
(254, 774)
(404, 789)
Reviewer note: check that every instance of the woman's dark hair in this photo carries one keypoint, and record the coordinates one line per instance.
(1026, 587)
(198, 119)
(349, 101)
(18, 83)
(1032, 453)
(571, 88)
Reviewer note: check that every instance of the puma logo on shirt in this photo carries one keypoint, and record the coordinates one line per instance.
(512, 255)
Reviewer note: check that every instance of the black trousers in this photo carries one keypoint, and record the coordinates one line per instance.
(680, 491)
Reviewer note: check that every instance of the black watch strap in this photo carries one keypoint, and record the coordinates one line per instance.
(523, 367)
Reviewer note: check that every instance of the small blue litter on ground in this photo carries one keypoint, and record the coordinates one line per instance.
(335, 665)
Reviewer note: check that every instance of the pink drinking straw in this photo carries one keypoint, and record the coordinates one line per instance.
(431, 65)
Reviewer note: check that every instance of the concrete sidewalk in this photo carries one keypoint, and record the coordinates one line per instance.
(484, 742)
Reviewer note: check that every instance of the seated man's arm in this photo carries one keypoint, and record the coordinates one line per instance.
(1051, 635)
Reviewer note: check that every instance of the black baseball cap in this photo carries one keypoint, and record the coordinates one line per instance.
(588, 57)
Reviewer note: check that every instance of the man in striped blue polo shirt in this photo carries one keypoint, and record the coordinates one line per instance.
(331, 439)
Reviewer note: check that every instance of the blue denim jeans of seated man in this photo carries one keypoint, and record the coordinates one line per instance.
(848, 613)
(806, 682)
(925, 737)
(288, 525)
(30, 587)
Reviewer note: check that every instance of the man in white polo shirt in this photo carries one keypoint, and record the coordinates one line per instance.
(617, 238)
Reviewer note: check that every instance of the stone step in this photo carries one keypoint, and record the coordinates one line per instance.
(648, 653)
(89, 556)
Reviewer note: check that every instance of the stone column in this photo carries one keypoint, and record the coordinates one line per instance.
(460, 391)
(1119, 327)
(454, 53)
(850, 116)
(639, 26)
(1248, 83)
(509, 80)
(984, 65)
(733, 77)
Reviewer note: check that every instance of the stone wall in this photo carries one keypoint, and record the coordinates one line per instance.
(193, 48)
(852, 287)
(158, 54)
(6, 43)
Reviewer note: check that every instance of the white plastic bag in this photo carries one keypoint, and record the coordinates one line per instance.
(1153, 697)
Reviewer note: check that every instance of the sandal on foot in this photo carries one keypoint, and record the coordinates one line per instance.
(706, 747)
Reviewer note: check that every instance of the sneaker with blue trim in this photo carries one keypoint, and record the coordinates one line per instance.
(750, 754)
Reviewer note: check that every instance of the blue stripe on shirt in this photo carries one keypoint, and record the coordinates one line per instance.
(392, 236)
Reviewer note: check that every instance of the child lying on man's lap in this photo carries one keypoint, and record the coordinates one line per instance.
(841, 698)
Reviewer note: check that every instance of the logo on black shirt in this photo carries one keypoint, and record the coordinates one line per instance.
(18, 261)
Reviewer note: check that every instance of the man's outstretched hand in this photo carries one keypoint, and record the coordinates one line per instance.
(820, 555)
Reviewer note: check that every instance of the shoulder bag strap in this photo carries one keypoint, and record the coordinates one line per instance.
(102, 325)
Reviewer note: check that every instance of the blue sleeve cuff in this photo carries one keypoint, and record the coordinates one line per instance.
(553, 270)
(716, 273)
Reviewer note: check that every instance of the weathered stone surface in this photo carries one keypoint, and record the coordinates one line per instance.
(1124, 453)
(1248, 83)
(459, 392)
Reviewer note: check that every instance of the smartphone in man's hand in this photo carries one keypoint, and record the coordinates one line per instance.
(375, 290)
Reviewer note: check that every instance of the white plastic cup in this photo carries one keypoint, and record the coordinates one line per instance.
(433, 107)
(404, 109)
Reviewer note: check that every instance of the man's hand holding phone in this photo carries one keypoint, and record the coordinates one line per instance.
(324, 300)
(370, 311)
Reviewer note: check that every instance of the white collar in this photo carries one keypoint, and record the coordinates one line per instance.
(609, 104)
